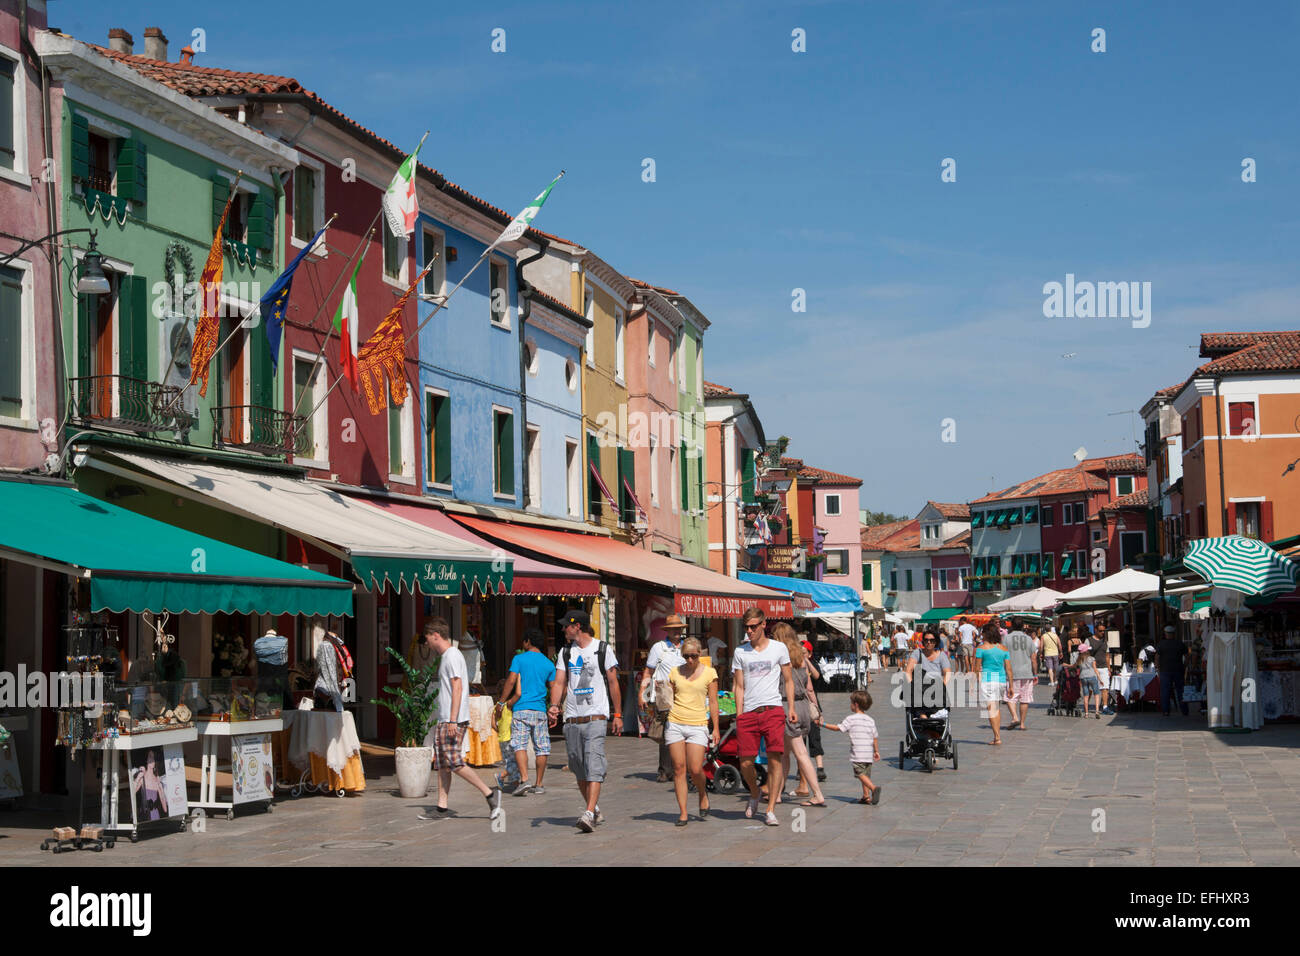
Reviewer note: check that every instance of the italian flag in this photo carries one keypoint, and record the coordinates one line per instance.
(400, 205)
(345, 323)
(525, 218)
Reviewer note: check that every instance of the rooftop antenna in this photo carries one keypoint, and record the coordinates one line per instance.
(1130, 412)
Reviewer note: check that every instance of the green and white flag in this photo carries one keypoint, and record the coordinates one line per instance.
(525, 218)
(400, 205)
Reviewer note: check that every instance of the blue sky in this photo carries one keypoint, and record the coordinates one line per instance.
(821, 171)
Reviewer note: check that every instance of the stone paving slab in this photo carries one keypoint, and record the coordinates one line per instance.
(1166, 791)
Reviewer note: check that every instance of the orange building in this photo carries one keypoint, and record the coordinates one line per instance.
(1241, 436)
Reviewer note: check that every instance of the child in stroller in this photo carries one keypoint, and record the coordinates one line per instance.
(722, 760)
(1065, 701)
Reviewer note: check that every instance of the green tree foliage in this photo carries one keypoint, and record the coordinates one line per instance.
(413, 703)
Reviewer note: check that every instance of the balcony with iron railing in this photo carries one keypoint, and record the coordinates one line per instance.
(262, 429)
(117, 401)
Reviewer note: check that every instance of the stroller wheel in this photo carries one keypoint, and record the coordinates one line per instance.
(727, 779)
(902, 753)
(954, 755)
(928, 761)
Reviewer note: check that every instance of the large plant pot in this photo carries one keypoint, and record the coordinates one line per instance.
(414, 766)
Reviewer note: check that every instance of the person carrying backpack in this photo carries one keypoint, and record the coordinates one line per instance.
(586, 680)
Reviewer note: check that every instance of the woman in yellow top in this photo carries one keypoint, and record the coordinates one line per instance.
(695, 702)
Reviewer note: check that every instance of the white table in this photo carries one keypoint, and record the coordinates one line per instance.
(113, 748)
(213, 732)
(1132, 682)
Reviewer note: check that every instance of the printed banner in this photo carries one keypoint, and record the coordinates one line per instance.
(158, 783)
(715, 605)
(252, 768)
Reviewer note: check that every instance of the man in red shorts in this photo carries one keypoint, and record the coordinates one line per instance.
(760, 670)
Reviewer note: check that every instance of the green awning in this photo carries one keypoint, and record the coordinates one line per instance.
(1066, 563)
(936, 614)
(135, 563)
(433, 576)
(1031, 514)
(1003, 518)
(977, 519)
(1015, 516)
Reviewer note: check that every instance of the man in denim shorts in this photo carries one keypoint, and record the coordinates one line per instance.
(525, 692)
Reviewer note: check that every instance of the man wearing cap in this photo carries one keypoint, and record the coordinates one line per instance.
(664, 656)
(1170, 655)
(584, 669)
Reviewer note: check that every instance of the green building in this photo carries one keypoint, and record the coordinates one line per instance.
(690, 407)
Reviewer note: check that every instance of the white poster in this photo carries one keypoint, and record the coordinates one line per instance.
(158, 782)
(252, 768)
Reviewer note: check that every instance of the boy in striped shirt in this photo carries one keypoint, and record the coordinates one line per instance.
(864, 743)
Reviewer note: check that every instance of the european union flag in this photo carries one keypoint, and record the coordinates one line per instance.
(276, 302)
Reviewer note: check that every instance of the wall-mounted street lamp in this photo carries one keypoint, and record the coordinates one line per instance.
(91, 279)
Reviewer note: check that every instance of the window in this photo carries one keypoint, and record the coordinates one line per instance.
(1202, 527)
(437, 438)
(866, 575)
(626, 486)
(832, 504)
(893, 580)
(571, 375)
(619, 362)
(305, 211)
(681, 361)
(925, 579)
(435, 260)
(699, 370)
(531, 355)
(573, 476)
(1124, 484)
(16, 342)
(309, 390)
(102, 155)
(1247, 514)
(11, 115)
(1046, 566)
(503, 452)
(595, 500)
(1132, 544)
(1096, 535)
(533, 453)
(650, 348)
(589, 311)
(1242, 419)
(837, 561)
(654, 472)
(499, 292)
(1081, 564)
(401, 437)
(1047, 516)
(673, 477)
(908, 574)
(394, 255)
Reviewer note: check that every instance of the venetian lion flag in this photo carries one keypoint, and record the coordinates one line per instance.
(382, 357)
(345, 323)
(209, 323)
(525, 218)
(400, 205)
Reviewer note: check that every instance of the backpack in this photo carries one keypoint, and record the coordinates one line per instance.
(344, 657)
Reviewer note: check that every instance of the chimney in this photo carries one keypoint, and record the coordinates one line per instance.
(119, 41)
(187, 55)
(155, 43)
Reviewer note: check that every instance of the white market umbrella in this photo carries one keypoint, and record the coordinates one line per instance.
(1128, 585)
(1039, 599)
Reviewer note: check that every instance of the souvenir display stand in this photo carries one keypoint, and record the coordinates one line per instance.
(231, 710)
(322, 750)
(113, 749)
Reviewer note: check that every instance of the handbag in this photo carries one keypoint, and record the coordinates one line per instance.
(658, 724)
(814, 712)
(663, 696)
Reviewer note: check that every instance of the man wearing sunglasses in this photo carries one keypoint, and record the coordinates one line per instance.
(761, 669)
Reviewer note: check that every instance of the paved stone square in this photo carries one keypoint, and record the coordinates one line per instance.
(1172, 793)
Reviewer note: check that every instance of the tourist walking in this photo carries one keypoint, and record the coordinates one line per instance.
(1089, 682)
(1171, 654)
(582, 673)
(527, 684)
(1024, 673)
(804, 700)
(992, 660)
(901, 641)
(664, 656)
(761, 670)
(453, 720)
(1051, 650)
(1100, 648)
(688, 734)
(967, 637)
(864, 743)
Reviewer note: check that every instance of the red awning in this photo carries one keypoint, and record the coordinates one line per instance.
(531, 576)
(697, 591)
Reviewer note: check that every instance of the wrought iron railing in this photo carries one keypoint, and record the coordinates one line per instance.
(130, 403)
(258, 428)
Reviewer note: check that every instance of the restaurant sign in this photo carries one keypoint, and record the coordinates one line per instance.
(716, 605)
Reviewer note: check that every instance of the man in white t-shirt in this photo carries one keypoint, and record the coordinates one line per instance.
(764, 691)
(901, 642)
(717, 649)
(585, 668)
(663, 657)
(453, 719)
(968, 637)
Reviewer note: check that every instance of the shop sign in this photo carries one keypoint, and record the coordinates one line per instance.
(803, 602)
(780, 557)
(252, 768)
(716, 605)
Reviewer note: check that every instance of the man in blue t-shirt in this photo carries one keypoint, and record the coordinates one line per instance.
(525, 693)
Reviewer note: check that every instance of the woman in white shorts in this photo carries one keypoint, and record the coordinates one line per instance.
(695, 702)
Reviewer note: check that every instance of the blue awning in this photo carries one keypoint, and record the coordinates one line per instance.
(830, 598)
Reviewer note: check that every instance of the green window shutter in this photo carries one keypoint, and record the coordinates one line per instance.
(683, 468)
(866, 576)
(132, 169)
(80, 147)
(438, 420)
(11, 342)
(84, 307)
(977, 519)
(220, 193)
(260, 376)
(505, 453)
(699, 481)
(1047, 566)
(261, 221)
(908, 573)
(747, 469)
(926, 572)
(133, 328)
(593, 490)
(626, 473)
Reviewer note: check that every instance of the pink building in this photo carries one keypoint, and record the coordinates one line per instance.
(835, 511)
(654, 433)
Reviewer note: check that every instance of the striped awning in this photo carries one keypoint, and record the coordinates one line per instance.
(1242, 564)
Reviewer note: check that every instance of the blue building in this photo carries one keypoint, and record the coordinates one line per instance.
(470, 365)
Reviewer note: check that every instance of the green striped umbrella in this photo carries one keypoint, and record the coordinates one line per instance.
(1242, 564)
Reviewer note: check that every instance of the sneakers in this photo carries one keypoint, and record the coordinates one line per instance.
(505, 786)
(771, 820)
(587, 822)
(600, 817)
(494, 802)
(875, 795)
(821, 775)
(538, 791)
(439, 813)
(523, 789)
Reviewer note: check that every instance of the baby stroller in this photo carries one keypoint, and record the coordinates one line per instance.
(928, 729)
(1065, 702)
(722, 761)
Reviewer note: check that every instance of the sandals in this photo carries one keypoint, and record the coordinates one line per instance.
(997, 741)
(809, 803)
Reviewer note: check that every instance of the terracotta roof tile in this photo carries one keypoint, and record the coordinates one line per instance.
(873, 536)
(1138, 499)
(1216, 344)
(955, 511)
(1062, 481)
(1126, 464)
(958, 541)
(713, 389)
(640, 284)
(819, 474)
(1271, 352)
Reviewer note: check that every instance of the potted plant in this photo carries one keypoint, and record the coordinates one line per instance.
(413, 705)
